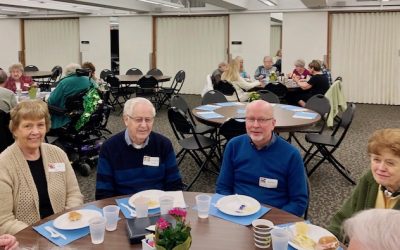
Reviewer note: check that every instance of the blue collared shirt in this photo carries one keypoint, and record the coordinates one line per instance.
(130, 142)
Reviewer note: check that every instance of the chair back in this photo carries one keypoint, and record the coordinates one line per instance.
(345, 122)
(232, 128)
(154, 72)
(213, 96)
(268, 96)
(277, 88)
(320, 104)
(6, 138)
(226, 88)
(180, 103)
(180, 123)
(104, 74)
(336, 99)
(113, 81)
(178, 81)
(57, 72)
(134, 71)
(147, 82)
(30, 68)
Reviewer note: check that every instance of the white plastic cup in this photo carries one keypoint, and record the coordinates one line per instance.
(97, 226)
(203, 205)
(280, 239)
(111, 213)
(166, 203)
(141, 207)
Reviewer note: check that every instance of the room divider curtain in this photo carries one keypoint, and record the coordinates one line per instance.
(51, 42)
(365, 52)
(193, 44)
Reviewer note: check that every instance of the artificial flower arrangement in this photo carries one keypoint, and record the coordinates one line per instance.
(254, 96)
(175, 235)
(272, 76)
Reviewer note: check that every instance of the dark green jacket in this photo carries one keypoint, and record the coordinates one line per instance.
(363, 197)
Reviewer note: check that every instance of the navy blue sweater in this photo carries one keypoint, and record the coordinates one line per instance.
(120, 170)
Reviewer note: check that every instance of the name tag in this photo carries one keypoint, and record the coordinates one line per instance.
(151, 161)
(57, 167)
(268, 183)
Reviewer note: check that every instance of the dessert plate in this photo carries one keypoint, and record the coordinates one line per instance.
(63, 222)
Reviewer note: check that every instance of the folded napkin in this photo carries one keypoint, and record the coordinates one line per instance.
(71, 235)
(242, 220)
(179, 200)
(126, 212)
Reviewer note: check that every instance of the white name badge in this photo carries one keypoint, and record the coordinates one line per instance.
(151, 161)
(56, 167)
(268, 183)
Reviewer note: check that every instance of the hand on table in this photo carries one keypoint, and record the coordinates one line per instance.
(9, 242)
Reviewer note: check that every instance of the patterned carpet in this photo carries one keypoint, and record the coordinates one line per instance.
(328, 187)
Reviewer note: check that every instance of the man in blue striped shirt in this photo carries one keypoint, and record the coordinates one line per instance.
(137, 158)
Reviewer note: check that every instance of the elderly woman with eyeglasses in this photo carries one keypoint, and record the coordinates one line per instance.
(36, 178)
(17, 80)
(380, 186)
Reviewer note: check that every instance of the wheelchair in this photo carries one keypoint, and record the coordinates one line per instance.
(82, 145)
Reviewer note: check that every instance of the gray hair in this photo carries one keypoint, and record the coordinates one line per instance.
(71, 68)
(375, 229)
(130, 105)
(3, 76)
(300, 63)
(17, 66)
(267, 58)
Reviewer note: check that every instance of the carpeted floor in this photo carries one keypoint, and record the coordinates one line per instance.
(328, 187)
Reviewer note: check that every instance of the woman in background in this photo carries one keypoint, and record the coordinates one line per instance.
(17, 80)
(242, 72)
(36, 178)
(300, 71)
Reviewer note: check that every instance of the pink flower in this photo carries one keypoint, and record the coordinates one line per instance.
(162, 224)
(178, 212)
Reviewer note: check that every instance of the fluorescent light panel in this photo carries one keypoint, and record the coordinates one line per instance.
(268, 2)
(164, 3)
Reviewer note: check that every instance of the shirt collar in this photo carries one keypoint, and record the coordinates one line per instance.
(272, 141)
(129, 141)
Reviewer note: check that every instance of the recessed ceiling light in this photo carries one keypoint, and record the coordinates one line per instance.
(268, 2)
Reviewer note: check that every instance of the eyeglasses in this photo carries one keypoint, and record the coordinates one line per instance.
(260, 121)
(139, 120)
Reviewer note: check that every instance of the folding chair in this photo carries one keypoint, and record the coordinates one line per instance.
(278, 89)
(116, 91)
(229, 129)
(104, 74)
(148, 88)
(226, 88)
(196, 145)
(30, 68)
(165, 93)
(154, 72)
(213, 96)
(134, 71)
(323, 141)
(268, 96)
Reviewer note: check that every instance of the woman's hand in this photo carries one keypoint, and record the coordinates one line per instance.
(9, 242)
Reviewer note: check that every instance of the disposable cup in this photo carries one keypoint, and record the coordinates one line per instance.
(203, 205)
(141, 207)
(111, 213)
(280, 238)
(97, 227)
(262, 232)
(166, 203)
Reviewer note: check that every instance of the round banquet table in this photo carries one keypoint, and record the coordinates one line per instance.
(38, 74)
(284, 117)
(211, 233)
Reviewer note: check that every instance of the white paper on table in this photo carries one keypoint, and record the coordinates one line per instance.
(179, 201)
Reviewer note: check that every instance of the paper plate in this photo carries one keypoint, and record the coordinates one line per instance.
(153, 195)
(238, 205)
(314, 232)
(63, 222)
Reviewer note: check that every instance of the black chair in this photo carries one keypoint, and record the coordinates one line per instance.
(229, 129)
(30, 68)
(278, 89)
(148, 88)
(134, 71)
(6, 138)
(52, 80)
(154, 72)
(165, 93)
(117, 90)
(320, 104)
(104, 74)
(213, 96)
(196, 145)
(268, 96)
(327, 144)
(226, 88)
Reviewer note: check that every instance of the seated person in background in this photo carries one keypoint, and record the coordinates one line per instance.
(36, 178)
(70, 85)
(216, 75)
(262, 72)
(232, 75)
(8, 242)
(17, 79)
(253, 164)
(326, 72)
(7, 97)
(300, 71)
(92, 68)
(317, 84)
(373, 229)
(380, 186)
(278, 60)
(242, 72)
(137, 159)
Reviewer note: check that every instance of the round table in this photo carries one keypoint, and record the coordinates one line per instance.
(211, 233)
(284, 117)
(135, 78)
(38, 74)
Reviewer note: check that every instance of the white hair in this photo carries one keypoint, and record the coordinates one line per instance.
(71, 68)
(130, 105)
(375, 229)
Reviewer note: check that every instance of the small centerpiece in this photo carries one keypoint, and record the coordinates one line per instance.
(173, 236)
(32, 91)
(254, 96)
(272, 76)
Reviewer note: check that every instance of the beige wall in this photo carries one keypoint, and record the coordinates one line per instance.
(10, 42)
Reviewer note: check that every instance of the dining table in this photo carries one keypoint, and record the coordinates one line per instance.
(135, 78)
(288, 118)
(38, 74)
(210, 233)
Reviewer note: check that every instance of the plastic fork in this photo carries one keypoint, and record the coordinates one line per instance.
(54, 233)
(132, 212)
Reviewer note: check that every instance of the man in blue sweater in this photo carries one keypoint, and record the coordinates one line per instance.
(262, 165)
(137, 159)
